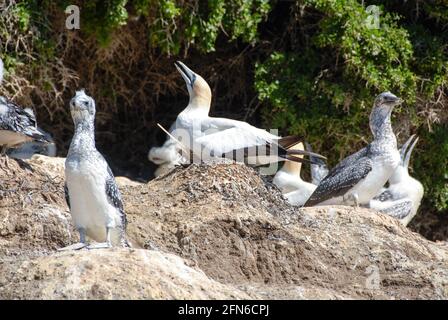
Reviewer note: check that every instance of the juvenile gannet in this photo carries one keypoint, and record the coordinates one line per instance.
(403, 196)
(210, 137)
(91, 192)
(28, 149)
(359, 177)
(319, 169)
(17, 125)
(166, 156)
(288, 179)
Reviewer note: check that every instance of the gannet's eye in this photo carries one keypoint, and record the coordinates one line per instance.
(86, 103)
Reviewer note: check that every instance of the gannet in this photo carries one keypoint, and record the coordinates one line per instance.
(91, 191)
(166, 156)
(210, 137)
(403, 196)
(28, 149)
(288, 179)
(359, 177)
(17, 125)
(319, 169)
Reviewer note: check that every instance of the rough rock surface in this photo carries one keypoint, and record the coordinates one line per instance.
(209, 231)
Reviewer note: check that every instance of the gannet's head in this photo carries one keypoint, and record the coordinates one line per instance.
(293, 167)
(382, 109)
(198, 89)
(82, 107)
(405, 156)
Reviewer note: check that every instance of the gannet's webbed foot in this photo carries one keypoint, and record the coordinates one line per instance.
(100, 245)
(77, 246)
(351, 199)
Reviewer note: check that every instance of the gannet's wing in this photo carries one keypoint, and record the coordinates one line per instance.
(398, 209)
(16, 119)
(342, 178)
(67, 196)
(114, 195)
(384, 196)
(225, 135)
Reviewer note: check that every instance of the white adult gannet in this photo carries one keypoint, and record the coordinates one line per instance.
(288, 179)
(359, 177)
(17, 125)
(91, 191)
(210, 137)
(403, 196)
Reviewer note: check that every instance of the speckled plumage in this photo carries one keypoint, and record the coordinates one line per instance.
(91, 191)
(359, 177)
(402, 188)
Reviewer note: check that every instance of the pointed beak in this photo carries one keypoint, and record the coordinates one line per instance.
(186, 73)
(390, 98)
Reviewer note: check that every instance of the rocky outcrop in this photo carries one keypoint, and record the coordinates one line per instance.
(209, 231)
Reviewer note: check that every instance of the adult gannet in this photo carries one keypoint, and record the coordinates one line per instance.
(288, 179)
(91, 191)
(210, 137)
(359, 177)
(403, 196)
(17, 125)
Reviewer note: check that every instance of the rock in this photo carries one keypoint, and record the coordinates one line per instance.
(232, 230)
(109, 274)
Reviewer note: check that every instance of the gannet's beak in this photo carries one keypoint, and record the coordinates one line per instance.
(186, 73)
(390, 98)
(408, 154)
(404, 147)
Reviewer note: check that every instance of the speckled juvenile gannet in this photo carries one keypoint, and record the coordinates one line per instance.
(91, 191)
(17, 125)
(288, 179)
(403, 196)
(359, 177)
(210, 137)
(28, 149)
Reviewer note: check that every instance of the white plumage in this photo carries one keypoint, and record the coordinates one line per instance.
(402, 188)
(92, 194)
(210, 137)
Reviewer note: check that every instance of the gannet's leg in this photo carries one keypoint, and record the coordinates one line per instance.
(352, 199)
(5, 156)
(102, 245)
(77, 246)
(356, 200)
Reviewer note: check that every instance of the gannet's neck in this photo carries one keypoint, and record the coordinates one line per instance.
(381, 125)
(84, 137)
(199, 104)
(292, 168)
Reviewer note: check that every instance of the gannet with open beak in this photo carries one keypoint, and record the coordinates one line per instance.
(210, 137)
(403, 196)
(359, 177)
(288, 179)
(91, 191)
